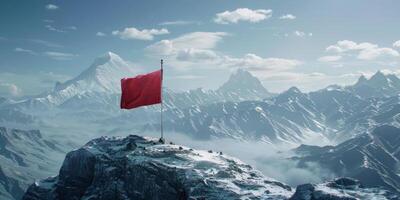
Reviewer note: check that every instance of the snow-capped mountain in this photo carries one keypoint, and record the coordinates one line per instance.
(102, 77)
(24, 157)
(290, 116)
(134, 167)
(241, 108)
(377, 86)
(371, 158)
(333, 114)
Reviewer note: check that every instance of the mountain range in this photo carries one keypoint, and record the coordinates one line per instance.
(25, 156)
(87, 106)
(372, 158)
(241, 108)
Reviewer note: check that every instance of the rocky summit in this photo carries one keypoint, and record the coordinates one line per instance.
(134, 167)
(138, 168)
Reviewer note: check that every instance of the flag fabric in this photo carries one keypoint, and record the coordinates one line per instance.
(141, 90)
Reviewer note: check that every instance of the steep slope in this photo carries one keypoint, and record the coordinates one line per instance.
(372, 158)
(138, 168)
(340, 189)
(102, 77)
(24, 157)
(289, 117)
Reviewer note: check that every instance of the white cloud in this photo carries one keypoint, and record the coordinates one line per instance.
(329, 58)
(178, 22)
(51, 7)
(100, 34)
(145, 34)
(198, 49)
(396, 44)
(242, 14)
(258, 64)
(9, 89)
(52, 28)
(364, 50)
(195, 55)
(288, 17)
(59, 55)
(195, 40)
(18, 49)
(302, 34)
(299, 33)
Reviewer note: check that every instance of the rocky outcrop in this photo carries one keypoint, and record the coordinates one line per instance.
(140, 168)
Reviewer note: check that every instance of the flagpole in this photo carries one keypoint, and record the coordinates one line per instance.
(162, 105)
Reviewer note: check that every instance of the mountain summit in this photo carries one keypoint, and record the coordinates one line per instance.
(244, 84)
(103, 75)
(379, 85)
(134, 167)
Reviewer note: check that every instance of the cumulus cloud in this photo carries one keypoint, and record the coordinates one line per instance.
(100, 34)
(59, 55)
(364, 50)
(329, 58)
(51, 7)
(199, 48)
(396, 44)
(9, 89)
(288, 17)
(134, 33)
(22, 50)
(242, 14)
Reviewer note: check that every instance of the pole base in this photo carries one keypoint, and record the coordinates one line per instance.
(161, 140)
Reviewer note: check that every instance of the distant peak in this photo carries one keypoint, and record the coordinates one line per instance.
(378, 74)
(361, 80)
(243, 80)
(294, 90)
(109, 56)
(242, 73)
(105, 58)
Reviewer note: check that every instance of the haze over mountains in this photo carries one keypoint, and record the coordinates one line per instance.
(242, 109)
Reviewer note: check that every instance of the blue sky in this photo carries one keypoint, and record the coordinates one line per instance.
(309, 44)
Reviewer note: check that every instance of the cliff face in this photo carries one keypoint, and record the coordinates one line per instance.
(140, 168)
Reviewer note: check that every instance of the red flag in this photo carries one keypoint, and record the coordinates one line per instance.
(141, 90)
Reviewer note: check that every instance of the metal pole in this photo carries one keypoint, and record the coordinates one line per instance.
(161, 107)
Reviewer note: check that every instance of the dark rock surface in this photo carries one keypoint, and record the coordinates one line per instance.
(139, 168)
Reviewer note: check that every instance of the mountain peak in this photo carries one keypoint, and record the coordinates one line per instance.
(243, 81)
(361, 80)
(103, 75)
(378, 75)
(294, 90)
